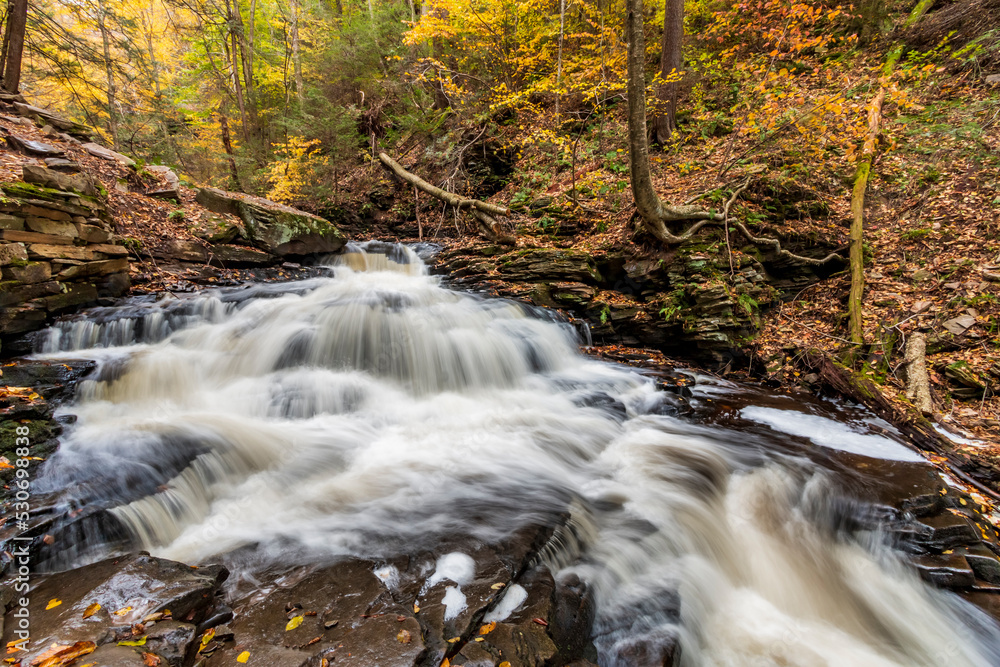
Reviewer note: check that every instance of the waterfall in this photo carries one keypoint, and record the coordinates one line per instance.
(375, 413)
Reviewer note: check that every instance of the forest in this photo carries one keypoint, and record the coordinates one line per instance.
(500, 333)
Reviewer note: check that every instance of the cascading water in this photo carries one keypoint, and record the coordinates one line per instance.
(375, 413)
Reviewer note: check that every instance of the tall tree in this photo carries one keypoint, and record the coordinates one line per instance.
(652, 210)
(13, 44)
(671, 60)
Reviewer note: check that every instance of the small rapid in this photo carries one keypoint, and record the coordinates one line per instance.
(375, 413)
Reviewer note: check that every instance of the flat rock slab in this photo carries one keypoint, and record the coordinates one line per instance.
(57, 180)
(107, 154)
(128, 590)
(30, 147)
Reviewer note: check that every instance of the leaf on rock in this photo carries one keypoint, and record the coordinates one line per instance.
(294, 623)
(91, 610)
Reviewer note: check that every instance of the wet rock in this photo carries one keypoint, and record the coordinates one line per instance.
(983, 562)
(49, 178)
(951, 570)
(48, 378)
(572, 619)
(112, 655)
(278, 229)
(173, 641)
(367, 630)
(128, 589)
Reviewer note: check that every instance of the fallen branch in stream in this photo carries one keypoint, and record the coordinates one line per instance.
(483, 212)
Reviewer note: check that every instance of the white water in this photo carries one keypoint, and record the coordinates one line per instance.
(373, 413)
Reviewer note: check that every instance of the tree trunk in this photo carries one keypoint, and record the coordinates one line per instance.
(296, 52)
(861, 177)
(227, 144)
(13, 44)
(562, 32)
(918, 386)
(671, 62)
(109, 72)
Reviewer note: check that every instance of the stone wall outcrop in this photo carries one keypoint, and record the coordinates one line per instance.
(57, 251)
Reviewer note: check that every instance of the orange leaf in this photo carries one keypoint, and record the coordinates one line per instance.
(57, 656)
(91, 610)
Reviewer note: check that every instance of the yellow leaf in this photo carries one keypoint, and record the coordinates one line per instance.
(243, 657)
(488, 628)
(416, 608)
(403, 637)
(293, 623)
(53, 603)
(133, 642)
(498, 586)
(207, 637)
(504, 664)
(122, 612)
(454, 639)
(91, 610)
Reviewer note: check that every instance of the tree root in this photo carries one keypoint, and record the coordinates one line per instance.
(669, 213)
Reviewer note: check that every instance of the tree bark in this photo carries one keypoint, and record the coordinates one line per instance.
(296, 52)
(671, 62)
(13, 44)
(861, 177)
(109, 72)
(562, 32)
(482, 211)
(918, 387)
(227, 144)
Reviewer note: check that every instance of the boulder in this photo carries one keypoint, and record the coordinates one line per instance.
(276, 228)
(12, 252)
(107, 154)
(49, 178)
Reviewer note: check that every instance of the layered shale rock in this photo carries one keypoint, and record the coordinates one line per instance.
(56, 248)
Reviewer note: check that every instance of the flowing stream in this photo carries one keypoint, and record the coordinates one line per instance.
(375, 412)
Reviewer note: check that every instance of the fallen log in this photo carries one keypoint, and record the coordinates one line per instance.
(482, 211)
